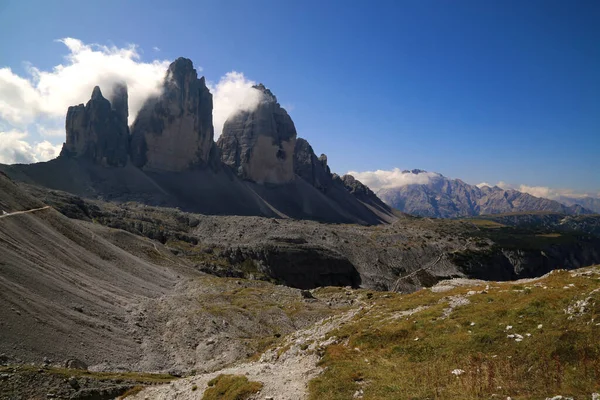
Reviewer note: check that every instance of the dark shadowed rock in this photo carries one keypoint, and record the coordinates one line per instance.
(119, 101)
(259, 143)
(98, 131)
(174, 131)
(362, 191)
(310, 168)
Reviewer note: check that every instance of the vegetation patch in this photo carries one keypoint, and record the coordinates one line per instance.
(231, 387)
(139, 377)
(534, 340)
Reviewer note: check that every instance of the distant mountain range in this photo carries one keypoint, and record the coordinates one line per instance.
(442, 197)
(591, 203)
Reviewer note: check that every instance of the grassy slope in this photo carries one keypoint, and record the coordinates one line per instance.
(382, 356)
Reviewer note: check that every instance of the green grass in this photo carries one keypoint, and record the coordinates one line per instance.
(231, 387)
(485, 223)
(563, 357)
(139, 377)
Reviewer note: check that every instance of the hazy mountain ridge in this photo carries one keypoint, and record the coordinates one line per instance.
(591, 203)
(442, 197)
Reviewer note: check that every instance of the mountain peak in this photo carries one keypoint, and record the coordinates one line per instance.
(181, 65)
(97, 93)
(270, 96)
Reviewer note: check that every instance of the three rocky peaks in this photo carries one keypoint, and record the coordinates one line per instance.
(174, 133)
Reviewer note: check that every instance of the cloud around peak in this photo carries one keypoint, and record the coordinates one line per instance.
(231, 94)
(50, 93)
(33, 105)
(386, 179)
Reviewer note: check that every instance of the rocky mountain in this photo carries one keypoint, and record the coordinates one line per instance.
(174, 131)
(257, 167)
(98, 131)
(442, 197)
(259, 144)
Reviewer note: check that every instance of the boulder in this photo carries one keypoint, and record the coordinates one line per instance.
(174, 131)
(259, 143)
(98, 131)
(74, 363)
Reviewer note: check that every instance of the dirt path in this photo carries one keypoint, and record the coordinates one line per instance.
(284, 371)
(23, 212)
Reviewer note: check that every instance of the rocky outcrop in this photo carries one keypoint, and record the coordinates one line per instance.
(362, 192)
(98, 131)
(259, 143)
(174, 131)
(311, 168)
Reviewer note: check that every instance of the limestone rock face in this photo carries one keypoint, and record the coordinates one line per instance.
(98, 131)
(174, 131)
(259, 144)
(311, 168)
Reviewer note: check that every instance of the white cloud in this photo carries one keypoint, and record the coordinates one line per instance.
(50, 131)
(44, 151)
(382, 179)
(50, 93)
(156, 48)
(15, 150)
(483, 184)
(233, 93)
(542, 191)
(37, 101)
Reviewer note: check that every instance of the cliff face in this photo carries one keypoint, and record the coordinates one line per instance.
(259, 144)
(174, 131)
(98, 131)
(311, 168)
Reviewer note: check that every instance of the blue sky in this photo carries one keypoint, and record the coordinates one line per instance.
(478, 90)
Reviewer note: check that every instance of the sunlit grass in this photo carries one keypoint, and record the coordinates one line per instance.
(390, 355)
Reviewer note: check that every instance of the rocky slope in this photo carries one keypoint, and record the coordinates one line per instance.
(466, 339)
(442, 197)
(133, 287)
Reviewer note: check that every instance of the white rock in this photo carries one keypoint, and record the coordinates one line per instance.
(458, 371)
(508, 327)
(540, 326)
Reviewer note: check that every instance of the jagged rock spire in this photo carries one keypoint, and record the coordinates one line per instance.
(259, 143)
(174, 131)
(97, 132)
